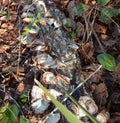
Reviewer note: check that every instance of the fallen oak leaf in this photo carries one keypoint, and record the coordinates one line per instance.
(43, 22)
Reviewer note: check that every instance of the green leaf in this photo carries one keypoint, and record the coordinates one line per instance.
(103, 2)
(24, 120)
(2, 12)
(8, 17)
(68, 115)
(107, 61)
(72, 34)
(3, 108)
(12, 113)
(23, 98)
(108, 13)
(38, 15)
(69, 23)
(4, 119)
(27, 30)
(80, 9)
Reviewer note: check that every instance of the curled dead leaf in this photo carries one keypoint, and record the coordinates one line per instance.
(87, 50)
(4, 25)
(3, 18)
(62, 2)
(21, 87)
(27, 20)
(43, 22)
(100, 93)
(5, 2)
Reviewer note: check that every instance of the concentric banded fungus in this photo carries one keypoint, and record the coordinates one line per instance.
(41, 47)
(53, 118)
(103, 117)
(89, 103)
(49, 78)
(79, 113)
(46, 61)
(39, 106)
(63, 80)
(40, 101)
(36, 92)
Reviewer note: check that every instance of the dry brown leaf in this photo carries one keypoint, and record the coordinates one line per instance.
(61, 2)
(117, 70)
(4, 25)
(100, 93)
(100, 28)
(11, 27)
(104, 37)
(70, 9)
(43, 22)
(13, 17)
(27, 20)
(5, 2)
(21, 87)
(4, 47)
(115, 118)
(86, 1)
(3, 18)
(87, 50)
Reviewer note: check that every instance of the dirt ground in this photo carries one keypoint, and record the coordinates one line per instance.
(46, 40)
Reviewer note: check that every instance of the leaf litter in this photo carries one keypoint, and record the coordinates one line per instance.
(52, 41)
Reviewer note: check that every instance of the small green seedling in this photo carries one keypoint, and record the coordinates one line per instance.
(107, 61)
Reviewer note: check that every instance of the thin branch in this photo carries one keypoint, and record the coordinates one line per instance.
(86, 79)
(98, 40)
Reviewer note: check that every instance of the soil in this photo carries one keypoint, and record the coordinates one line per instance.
(36, 43)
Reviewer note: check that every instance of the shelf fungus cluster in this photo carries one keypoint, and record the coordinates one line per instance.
(40, 102)
(53, 53)
(89, 105)
(61, 80)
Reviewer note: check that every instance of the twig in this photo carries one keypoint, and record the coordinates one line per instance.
(101, 47)
(87, 26)
(86, 80)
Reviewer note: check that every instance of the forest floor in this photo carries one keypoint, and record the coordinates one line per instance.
(57, 42)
